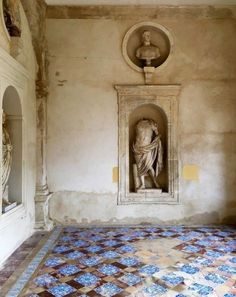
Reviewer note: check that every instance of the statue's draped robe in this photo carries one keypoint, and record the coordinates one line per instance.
(150, 155)
(6, 158)
(147, 155)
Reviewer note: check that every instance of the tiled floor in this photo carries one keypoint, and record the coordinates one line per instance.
(173, 261)
(19, 256)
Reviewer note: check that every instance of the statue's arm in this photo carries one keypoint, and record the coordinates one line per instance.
(154, 128)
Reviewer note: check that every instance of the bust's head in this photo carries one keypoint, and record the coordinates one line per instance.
(146, 37)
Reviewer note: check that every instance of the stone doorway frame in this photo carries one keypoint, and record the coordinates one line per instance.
(131, 97)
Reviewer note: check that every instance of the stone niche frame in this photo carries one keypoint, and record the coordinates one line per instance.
(165, 98)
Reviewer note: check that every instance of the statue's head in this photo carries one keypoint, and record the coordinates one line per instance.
(146, 36)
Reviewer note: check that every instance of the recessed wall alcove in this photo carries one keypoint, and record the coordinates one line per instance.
(157, 103)
(155, 113)
(11, 106)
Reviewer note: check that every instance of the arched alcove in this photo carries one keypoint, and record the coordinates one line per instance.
(155, 113)
(159, 104)
(11, 106)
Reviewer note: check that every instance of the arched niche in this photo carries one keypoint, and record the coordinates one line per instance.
(158, 103)
(155, 113)
(11, 105)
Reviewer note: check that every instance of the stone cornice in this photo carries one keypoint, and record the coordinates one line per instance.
(141, 12)
(161, 90)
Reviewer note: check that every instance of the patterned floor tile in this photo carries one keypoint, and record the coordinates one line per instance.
(108, 289)
(110, 255)
(108, 269)
(201, 289)
(216, 278)
(149, 269)
(87, 279)
(172, 279)
(94, 248)
(127, 249)
(51, 262)
(92, 261)
(61, 249)
(228, 269)
(154, 290)
(61, 290)
(129, 261)
(130, 279)
(69, 270)
(45, 280)
(74, 255)
(168, 261)
(189, 269)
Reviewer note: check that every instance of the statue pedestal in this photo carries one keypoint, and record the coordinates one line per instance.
(148, 72)
(150, 191)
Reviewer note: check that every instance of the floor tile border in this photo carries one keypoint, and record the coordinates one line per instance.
(18, 286)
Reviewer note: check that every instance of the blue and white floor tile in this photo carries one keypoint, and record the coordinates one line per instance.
(109, 261)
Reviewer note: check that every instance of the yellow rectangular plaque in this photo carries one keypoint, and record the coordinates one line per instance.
(191, 172)
(115, 174)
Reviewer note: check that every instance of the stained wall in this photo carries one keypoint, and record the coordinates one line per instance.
(85, 62)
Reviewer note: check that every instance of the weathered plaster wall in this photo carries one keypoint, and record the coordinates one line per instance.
(18, 224)
(82, 145)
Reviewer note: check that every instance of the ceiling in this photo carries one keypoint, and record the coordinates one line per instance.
(141, 2)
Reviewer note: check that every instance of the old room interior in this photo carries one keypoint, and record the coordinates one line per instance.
(118, 148)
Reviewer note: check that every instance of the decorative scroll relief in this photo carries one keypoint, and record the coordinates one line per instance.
(148, 149)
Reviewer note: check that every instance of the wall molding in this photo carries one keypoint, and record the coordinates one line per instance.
(143, 12)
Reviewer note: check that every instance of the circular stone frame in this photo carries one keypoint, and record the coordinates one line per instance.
(132, 41)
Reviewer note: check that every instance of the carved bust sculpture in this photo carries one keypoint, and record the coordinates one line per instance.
(148, 153)
(147, 51)
(6, 159)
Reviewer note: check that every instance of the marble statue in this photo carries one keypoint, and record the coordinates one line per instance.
(6, 159)
(147, 51)
(148, 153)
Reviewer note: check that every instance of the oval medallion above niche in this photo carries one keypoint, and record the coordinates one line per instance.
(160, 39)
